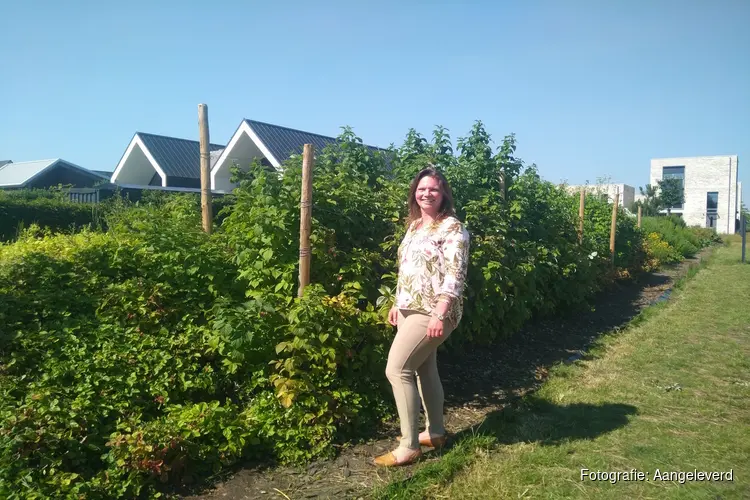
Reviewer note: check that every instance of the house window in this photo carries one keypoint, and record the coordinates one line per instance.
(712, 202)
(712, 208)
(675, 173)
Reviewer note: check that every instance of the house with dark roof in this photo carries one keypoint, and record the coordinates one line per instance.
(157, 160)
(169, 162)
(45, 174)
(272, 144)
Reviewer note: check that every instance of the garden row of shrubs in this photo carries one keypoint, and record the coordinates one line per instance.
(52, 210)
(669, 240)
(23, 208)
(150, 356)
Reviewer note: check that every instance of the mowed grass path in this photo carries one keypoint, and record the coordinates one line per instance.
(669, 393)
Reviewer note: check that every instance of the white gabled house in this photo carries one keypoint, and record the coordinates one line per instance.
(170, 163)
(271, 144)
(157, 160)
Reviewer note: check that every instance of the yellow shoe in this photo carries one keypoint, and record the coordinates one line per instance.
(390, 460)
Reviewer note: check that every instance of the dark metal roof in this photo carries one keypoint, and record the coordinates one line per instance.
(20, 174)
(283, 142)
(5, 162)
(103, 173)
(177, 157)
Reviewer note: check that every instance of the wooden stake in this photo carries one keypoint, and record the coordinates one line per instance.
(743, 229)
(206, 207)
(580, 215)
(640, 215)
(613, 228)
(305, 213)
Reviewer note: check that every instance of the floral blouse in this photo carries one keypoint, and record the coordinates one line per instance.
(432, 263)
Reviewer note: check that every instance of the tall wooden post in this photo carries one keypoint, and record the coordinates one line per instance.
(305, 212)
(206, 207)
(580, 215)
(613, 228)
(640, 215)
(743, 229)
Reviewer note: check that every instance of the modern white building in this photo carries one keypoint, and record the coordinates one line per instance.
(627, 193)
(712, 190)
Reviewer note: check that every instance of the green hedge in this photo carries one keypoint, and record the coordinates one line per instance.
(686, 241)
(18, 211)
(153, 355)
(51, 211)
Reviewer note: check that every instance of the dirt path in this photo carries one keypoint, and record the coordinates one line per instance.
(476, 383)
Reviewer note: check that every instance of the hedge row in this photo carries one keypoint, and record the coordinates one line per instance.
(53, 212)
(19, 212)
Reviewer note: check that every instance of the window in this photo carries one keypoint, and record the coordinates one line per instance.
(675, 173)
(712, 202)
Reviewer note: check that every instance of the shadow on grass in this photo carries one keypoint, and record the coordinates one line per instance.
(539, 421)
(531, 421)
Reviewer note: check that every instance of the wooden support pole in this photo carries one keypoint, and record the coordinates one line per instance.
(743, 229)
(640, 215)
(613, 228)
(305, 213)
(206, 207)
(580, 215)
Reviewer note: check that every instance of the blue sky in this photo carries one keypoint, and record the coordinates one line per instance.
(591, 89)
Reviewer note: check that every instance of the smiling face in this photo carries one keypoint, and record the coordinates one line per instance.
(429, 195)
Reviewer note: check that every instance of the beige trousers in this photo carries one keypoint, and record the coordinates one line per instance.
(412, 351)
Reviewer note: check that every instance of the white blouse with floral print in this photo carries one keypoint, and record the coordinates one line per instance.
(432, 263)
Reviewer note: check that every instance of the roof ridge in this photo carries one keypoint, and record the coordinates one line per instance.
(177, 138)
(250, 121)
(290, 128)
(48, 160)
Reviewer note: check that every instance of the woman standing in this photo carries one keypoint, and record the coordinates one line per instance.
(433, 258)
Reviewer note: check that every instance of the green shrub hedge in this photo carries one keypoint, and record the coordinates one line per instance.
(153, 355)
(686, 241)
(44, 208)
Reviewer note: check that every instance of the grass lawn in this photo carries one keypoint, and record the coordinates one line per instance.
(671, 393)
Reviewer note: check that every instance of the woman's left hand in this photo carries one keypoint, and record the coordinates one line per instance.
(435, 327)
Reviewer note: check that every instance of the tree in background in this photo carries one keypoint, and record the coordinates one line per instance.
(671, 193)
(652, 203)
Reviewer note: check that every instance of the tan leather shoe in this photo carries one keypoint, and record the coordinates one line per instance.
(390, 460)
(432, 442)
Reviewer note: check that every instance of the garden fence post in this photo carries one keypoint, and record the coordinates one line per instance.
(613, 228)
(305, 208)
(206, 207)
(743, 229)
(580, 215)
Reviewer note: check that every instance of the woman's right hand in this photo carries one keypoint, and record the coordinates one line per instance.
(393, 316)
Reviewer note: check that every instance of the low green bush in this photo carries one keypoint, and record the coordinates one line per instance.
(679, 237)
(659, 251)
(705, 236)
(102, 330)
(19, 210)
